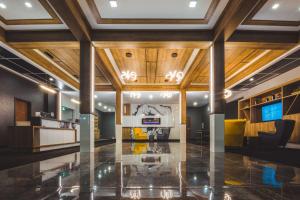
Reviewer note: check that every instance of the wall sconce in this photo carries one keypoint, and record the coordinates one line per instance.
(177, 75)
(128, 75)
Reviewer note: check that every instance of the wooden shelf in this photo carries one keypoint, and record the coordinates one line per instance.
(266, 103)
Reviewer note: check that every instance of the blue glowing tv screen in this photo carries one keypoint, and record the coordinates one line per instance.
(272, 112)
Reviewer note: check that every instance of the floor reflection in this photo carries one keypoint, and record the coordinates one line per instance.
(151, 171)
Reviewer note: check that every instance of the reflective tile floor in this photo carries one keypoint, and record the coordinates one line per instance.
(151, 171)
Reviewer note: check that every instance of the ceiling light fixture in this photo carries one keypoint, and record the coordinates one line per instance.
(28, 4)
(113, 3)
(75, 101)
(99, 104)
(2, 5)
(135, 95)
(275, 6)
(177, 75)
(192, 4)
(227, 93)
(251, 79)
(206, 96)
(105, 107)
(95, 96)
(109, 110)
(195, 103)
(166, 95)
(150, 96)
(48, 89)
(51, 79)
(128, 75)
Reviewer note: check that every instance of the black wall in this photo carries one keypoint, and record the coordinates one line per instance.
(231, 110)
(13, 86)
(106, 124)
(197, 116)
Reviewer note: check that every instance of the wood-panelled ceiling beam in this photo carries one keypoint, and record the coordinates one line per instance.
(107, 69)
(72, 15)
(152, 35)
(40, 36)
(233, 15)
(187, 79)
(151, 87)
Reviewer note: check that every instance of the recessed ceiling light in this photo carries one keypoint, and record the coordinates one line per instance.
(28, 4)
(251, 79)
(206, 96)
(128, 55)
(299, 9)
(105, 107)
(150, 96)
(195, 103)
(192, 4)
(2, 5)
(51, 79)
(174, 55)
(95, 96)
(99, 104)
(109, 110)
(113, 3)
(275, 6)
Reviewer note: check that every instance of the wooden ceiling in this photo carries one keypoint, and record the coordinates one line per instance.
(151, 51)
(151, 64)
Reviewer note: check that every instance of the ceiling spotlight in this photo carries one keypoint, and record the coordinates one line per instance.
(95, 96)
(206, 96)
(48, 89)
(75, 101)
(195, 103)
(275, 6)
(227, 93)
(109, 110)
(105, 107)
(177, 75)
(28, 4)
(251, 79)
(99, 104)
(113, 3)
(51, 79)
(128, 75)
(192, 4)
(174, 55)
(135, 95)
(2, 5)
(150, 96)
(128, 55)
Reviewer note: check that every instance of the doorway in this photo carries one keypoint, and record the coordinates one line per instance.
(22, 110)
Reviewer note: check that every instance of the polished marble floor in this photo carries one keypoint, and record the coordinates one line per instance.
(151, 171)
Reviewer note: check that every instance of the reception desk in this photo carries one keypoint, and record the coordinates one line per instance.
(44, 134)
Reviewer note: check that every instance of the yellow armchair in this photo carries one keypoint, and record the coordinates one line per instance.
(234, 132)
(138, 134)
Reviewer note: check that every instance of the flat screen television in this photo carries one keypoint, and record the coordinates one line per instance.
(271, 112)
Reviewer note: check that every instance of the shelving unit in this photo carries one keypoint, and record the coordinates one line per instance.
(288, 94)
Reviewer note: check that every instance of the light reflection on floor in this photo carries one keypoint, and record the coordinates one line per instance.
(151, 171)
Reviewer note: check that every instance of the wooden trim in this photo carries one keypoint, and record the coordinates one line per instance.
(183, 106)
(100, 20)
(151, 87)
(104, 88)
(55, 19)
(119, 107)
(198, 88)
(250, 21)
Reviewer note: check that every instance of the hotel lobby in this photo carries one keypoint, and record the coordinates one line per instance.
(150, 99)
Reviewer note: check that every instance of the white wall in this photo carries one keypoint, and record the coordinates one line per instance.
(279, 80)
(66, 102)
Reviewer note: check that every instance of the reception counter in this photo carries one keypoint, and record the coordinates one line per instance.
(44, 134)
